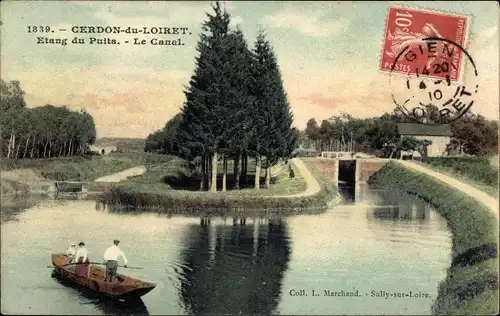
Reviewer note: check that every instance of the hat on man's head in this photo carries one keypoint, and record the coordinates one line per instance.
(73, 245)
(116, 241)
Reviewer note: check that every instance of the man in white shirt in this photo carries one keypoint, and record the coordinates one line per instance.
(111, 258)
(71, 252)
(82, 260)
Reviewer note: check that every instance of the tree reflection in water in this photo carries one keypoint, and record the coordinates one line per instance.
(348, 192)
(235, 267)
(400, 206)
(107, 306)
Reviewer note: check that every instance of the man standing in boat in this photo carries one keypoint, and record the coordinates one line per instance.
(111, 258)
(82, 260)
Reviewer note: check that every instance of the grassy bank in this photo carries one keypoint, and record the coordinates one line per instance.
(11, 188)
(17, 175)
(82, 168)
(11, 208)
(152, 190)
(477, 172)
(471, 284)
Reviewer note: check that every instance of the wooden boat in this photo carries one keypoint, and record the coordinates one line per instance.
(125, 288)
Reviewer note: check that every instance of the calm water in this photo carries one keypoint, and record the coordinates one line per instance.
(375, 242)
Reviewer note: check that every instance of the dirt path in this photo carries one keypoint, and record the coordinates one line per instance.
(313, 186)
(122, 175)
(479, 195)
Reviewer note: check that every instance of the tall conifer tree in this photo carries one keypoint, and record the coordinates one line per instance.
(272, 135)
(240, 99)
(205, 109)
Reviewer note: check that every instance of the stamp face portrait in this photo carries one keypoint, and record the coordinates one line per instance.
(407, 27)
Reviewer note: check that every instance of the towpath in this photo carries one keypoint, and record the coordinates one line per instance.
(313, 186)
(122, 175)
(479, 195)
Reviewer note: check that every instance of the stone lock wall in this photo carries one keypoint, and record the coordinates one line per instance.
(365, 168)
(329, 167)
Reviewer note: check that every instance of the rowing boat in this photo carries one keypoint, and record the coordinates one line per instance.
(125, 288)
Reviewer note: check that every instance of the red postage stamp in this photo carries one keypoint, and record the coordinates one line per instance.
(408, 29)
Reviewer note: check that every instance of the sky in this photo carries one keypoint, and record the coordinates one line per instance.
(328, 53)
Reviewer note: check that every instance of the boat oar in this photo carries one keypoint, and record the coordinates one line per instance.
(69, 264)
(127, 267)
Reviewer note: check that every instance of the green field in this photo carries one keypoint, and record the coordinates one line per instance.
(83, 168)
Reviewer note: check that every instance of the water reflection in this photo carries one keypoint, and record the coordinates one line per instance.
(107, 306)
(385, 204)
(59, 195)
(392, 206)
(348, 192)
(235, 266)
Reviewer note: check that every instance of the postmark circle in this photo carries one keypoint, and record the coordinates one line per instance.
(434, 80)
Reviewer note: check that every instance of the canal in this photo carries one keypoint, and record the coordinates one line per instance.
(373, 244)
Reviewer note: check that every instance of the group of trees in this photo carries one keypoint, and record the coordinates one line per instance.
(472, 134)
(235, 108)
(45, 131)
(165, 140)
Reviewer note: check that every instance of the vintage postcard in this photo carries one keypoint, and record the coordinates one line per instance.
(249, 157)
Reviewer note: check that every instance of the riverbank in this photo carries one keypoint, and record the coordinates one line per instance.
(307, 191)
(16, 175)
(140, 181)
(471, 284)
(487, 200)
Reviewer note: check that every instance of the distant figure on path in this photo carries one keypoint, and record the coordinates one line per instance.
(81, 257)
(71, 253)
(111, 258)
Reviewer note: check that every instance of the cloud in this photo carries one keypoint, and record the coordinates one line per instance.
(174, 15)
(484, 49)
(492, 32)
(130, 102)
(155, 14)
(149, 12)
(361, 90)
(308, 23)
(236, 20)
(131, 91)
